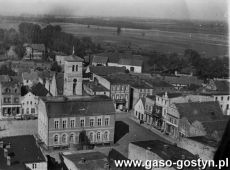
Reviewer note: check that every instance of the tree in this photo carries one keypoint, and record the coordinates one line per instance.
(118, 30)
(20, 51)
(55, 67)
(83, 139)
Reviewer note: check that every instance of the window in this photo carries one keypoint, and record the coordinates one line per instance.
(91, 122)
(228, 98)
(82, 122)
(34, 166)
(222, 98)
(16, 100)
(117, 96)
(91, 136)
(64, 138)
(27, 111)
(76, 68)
(72, 123)
(32, 110)
(122, 88)
(99, 121)
(98, 135)
(55, 139)
(71, 138)
(126, 96)
(31, 102)
(227, 106)
(16, 90)
(27, 102)
(56, 124)
(216, 98)
(73, 68)
(106, 136)
(64, 124)
(106, 121)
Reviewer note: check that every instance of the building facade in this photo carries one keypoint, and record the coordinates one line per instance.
(29, 104)
(61, 121)
(10, 94)
(73, 76)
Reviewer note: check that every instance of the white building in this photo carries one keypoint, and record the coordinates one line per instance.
(29, 104)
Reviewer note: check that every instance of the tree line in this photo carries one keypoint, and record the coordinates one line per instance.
(204, 67)
(51, 36)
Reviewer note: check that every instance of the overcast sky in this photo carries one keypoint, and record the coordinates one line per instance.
(172, 9)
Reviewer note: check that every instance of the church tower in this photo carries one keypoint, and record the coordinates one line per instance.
(73, 75)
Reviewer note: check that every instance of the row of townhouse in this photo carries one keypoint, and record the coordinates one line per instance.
(181, 115)
(62, 121)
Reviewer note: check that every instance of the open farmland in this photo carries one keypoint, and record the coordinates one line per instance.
(165, 36)
(163, 41)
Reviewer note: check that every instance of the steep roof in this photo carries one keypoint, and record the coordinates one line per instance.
(74, 58)
(186, 80)
(39, 90)
(200, 111)
(95, 87)
(205, 140)
(158, 83)
(78, 106)
(100, 59)
(170, 95)
(25, 150)
(130, 62)
(106, 70)
(222, 85)
(93, 160)
(39, 47)
(165, 150)
(30, 76)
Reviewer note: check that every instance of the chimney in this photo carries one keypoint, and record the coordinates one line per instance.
(1, 144)
(5, 152)
(8, 160)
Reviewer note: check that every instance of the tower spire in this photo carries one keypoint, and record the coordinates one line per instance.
(73, 50)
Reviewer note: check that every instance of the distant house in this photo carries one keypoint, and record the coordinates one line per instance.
(62, 121)
(85, 161)
(182, 81)
(34, 51)
(30, 78)
(10, 96)
(11, 54)
(133, 65)
(139, 109)
(201, 119)
(20, 153)
(158, 150)
(29, 104)
(99, 60)
(95, 89)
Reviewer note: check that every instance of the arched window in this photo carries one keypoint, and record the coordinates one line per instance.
(64, 138)
(72, 67)
(55, 139)
(106, 136)
(74, 85)
(91, 137)
(71, 138)
(98, 136)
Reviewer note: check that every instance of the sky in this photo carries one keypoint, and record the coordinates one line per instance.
(162, 9)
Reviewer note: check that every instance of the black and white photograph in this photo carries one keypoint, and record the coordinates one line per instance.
(114, 85)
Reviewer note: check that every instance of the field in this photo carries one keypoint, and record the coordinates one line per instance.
(166, 36)
(164, 41)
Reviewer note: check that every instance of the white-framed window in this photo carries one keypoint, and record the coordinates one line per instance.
(91, 122)
(107, 121)
(56, 139)
(72, 123)
(91, 137)
(71, 138)
(56, 124)
(64, 138)
(64, 124)
(82, 122)
(106, 136)
(98, 136)
(99, 123)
